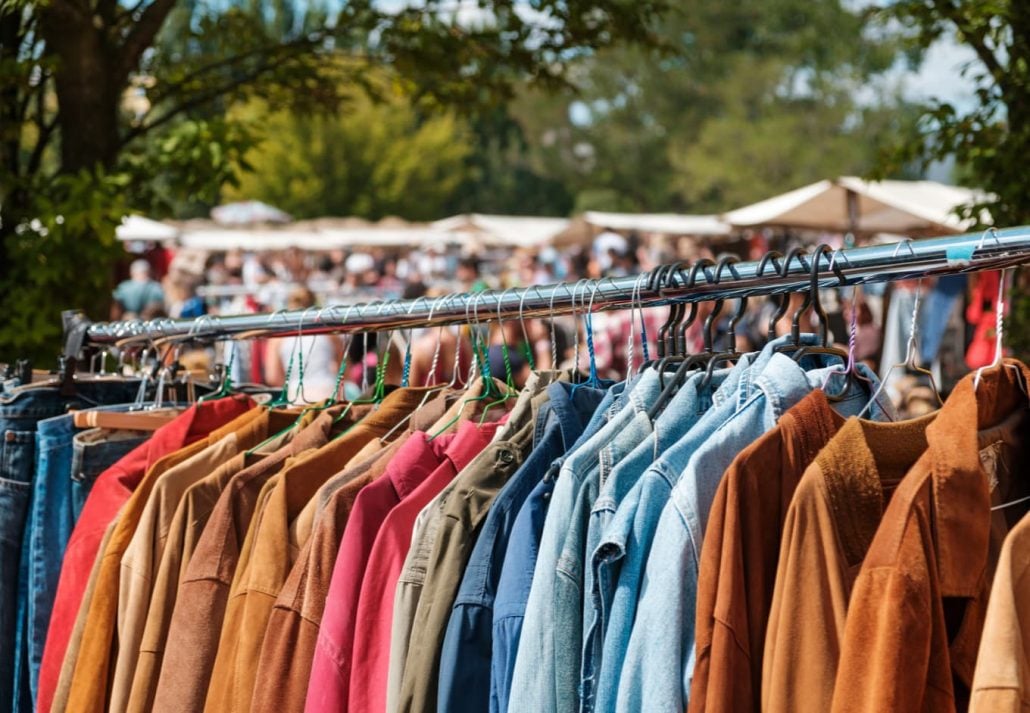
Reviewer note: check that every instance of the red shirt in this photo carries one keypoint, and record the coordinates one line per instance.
(359, 610)
(112, 490)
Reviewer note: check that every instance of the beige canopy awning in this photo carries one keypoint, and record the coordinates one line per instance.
(853, 204)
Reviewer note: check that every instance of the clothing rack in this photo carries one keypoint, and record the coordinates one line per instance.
(909, 259)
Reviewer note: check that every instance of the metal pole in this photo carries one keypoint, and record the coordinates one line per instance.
(993, 249)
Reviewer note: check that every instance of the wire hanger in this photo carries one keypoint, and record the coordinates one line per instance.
(636, 307)
(910, 361)
(731, 353)
(588, 322)
(509, 379)
(850, 369)
(431, 388)
(488, 390)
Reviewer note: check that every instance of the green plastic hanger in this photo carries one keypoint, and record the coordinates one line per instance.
(509, 378)
(480, 363)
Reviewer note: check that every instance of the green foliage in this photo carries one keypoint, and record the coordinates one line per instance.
(372, 159)
(108, 107)
(989, 139)
(60, 258)
(736, 102)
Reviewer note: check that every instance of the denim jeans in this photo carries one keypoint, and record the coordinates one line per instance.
(67, 464)
(21, 410)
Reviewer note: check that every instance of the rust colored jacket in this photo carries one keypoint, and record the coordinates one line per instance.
(917, 611)
(740, 553)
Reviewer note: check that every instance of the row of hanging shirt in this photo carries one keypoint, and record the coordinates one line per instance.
(573, 549)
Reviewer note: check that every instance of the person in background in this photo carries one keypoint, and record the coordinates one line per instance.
(468, 275)
(319, 355)
(138, 297)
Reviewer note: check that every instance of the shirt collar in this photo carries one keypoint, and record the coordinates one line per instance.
(961, 489)
(853, 465)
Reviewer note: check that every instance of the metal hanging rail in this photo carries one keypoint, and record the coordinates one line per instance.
(972, 252)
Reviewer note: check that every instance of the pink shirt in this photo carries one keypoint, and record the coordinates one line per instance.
(354, 640)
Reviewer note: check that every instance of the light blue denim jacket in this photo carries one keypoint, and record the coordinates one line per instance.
(520, 560)
(533, 678)
(622, 436)
(689, 405)
(658, 655)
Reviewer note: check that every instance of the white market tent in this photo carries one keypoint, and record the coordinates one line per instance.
(312, 239)
(136, 227)
(585, 227)
(502, 230)
(849, 203)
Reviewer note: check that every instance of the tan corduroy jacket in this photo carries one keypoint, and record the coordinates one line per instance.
(831, 521)
(1001, 683)
(917, 610)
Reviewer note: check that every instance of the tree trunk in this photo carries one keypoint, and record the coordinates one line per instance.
(88, 83)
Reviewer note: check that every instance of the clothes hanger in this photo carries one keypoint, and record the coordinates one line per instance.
(784, 302)
(731, 353)
(636, 309)
(489, 390)
(139, 417)
(680, 352)
(509, 379)
(382, 361)
(431, 390)
(679, 377)
(654, 279)
(851, 367)
(910, 361)
(592, 379)
(813, 300)
(999, 329)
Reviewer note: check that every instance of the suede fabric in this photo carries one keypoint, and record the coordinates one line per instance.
(829, 525)
(203, 591)
(276, 545)
(917, 610)
(740, 554)
(1001, 683)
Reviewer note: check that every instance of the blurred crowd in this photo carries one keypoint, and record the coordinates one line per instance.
(188, 284)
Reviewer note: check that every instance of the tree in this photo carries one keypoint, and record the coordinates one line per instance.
(98, 98)
(372, 159)
(739, 100)
(989, 139)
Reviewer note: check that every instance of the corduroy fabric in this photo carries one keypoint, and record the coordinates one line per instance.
(917, 609)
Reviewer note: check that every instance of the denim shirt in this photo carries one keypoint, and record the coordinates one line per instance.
(658, 655)
(623, 437)
(464, 680)
(603, 563)
(534, 680)
(524, 544)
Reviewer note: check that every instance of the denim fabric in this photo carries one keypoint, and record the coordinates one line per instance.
(547, 666)
(602, 570)
(935, 312)
(658, 655)
(464, 679)
(21, 409)
(520, 560)
(66, 466)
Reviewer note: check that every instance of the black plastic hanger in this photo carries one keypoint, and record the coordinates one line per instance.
(784, 303)
(670, 388)
(679, 352)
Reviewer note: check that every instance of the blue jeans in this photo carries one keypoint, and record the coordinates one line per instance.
(21, 410)
(67, 465)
